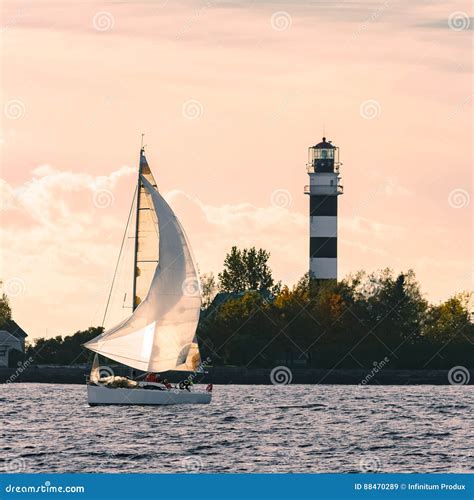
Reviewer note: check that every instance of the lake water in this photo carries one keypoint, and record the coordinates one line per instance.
(297, 428)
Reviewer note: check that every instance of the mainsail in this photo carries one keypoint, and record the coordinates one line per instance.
(160, 334)
(146, 236)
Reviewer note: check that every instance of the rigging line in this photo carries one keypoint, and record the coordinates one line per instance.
(120, 254)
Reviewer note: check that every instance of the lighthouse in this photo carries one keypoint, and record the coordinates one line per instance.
(323, 189)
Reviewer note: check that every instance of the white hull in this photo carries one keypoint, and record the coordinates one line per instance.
(100, 395)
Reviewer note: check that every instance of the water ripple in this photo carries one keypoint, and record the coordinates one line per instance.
(246, 429)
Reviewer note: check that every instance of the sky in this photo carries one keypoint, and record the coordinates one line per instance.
(230, 94)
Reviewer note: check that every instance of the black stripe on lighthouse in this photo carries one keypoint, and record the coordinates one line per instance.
(323, 205)
(323, 247)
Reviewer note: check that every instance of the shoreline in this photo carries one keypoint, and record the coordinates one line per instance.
(247, 376)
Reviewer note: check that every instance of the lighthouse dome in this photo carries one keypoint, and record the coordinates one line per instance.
(324, 145)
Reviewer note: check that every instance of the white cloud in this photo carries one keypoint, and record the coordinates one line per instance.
(60, 244)
(64, 247)
(213, 230)
(366, 227)
(392, 187)
(43, 197)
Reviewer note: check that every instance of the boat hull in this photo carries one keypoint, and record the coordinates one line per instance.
(100, 395)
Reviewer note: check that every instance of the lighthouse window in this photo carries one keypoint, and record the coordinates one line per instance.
(324, 153)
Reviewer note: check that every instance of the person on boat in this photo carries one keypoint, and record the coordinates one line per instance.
(151, 377)
(185, 384)
(166, 383)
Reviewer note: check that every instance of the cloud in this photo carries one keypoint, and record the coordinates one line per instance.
(367, 227)
(53, 235)
(43, 197)
(464, 22)
(213, 230)
(63, 245)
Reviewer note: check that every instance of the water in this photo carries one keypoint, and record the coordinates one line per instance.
(297, 428)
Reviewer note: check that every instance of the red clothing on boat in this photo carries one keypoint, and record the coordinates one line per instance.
(151, 377)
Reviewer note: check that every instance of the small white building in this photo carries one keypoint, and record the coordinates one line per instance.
(12, 338)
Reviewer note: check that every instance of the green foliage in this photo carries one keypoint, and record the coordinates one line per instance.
(245, 270)
(209, 287)
(449, 321)
(63, 351)
(353, 323)
(5, 310)
(348, 324)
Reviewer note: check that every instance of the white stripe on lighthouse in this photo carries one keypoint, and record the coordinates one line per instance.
(323, 268)
(323, 226)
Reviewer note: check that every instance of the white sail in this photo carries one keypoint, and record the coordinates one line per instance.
(160, 334)
(146, 256)
(95, 371)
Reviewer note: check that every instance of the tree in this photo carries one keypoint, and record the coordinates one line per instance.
(450, 320)
(5, 310)
(63, 351)
(209, 287)
(239, 330)
(246, 269)
(232, 278)
(390, 306)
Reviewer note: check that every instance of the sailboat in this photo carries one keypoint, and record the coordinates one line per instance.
(160, 334)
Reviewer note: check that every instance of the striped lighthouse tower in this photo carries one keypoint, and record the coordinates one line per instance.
(323, 189)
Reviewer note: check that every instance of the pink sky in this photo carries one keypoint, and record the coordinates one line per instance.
(230, 96)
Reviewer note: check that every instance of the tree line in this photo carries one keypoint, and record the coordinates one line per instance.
(353, 323)
(249, 319)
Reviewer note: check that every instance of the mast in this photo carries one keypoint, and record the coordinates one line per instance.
(137, 215)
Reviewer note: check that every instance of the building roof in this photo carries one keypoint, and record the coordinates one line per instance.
(7, 339)
(324, 145)
(12, 327)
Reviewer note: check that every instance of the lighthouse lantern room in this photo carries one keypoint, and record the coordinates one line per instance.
(323, 189)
